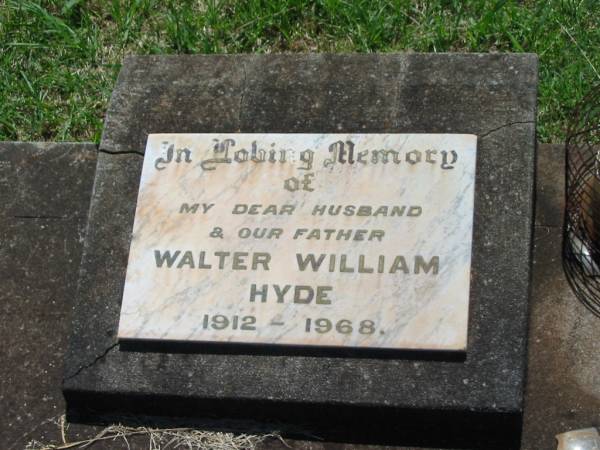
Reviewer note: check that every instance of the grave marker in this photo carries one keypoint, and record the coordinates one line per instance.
(338, 390)
(303, 239)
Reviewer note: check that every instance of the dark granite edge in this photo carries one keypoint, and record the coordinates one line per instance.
(530, 223)
(71, 385)
(68, 371)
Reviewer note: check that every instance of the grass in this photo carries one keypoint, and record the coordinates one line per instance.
(59, 59)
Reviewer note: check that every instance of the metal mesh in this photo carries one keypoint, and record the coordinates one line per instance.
(581, 248)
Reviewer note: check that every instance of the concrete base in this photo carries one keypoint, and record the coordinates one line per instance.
(476, 401)
(48, 180)
(45, 194)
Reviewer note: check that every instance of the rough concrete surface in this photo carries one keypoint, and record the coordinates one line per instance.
(492, 96)
(563, 387)
(319, 93)
(44, 193)
(43, 180)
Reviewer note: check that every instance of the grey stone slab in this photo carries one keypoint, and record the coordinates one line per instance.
(319, 93)
(44, 193)
(492, 96)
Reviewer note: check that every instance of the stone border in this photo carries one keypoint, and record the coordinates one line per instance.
(492, 96)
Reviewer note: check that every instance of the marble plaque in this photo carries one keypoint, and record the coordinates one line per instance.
(344, 240)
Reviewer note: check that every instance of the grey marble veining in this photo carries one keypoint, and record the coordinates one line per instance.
(359, 240)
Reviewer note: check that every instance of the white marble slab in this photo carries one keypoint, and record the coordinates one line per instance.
(388, 217)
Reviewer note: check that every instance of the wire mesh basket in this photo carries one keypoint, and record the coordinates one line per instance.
(581, 244)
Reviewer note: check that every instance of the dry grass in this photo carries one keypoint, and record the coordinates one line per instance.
(160, 438)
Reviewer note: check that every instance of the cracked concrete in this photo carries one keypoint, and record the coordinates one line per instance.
(121, 152)
(506, 125)
(91, 364)
(40, 217)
